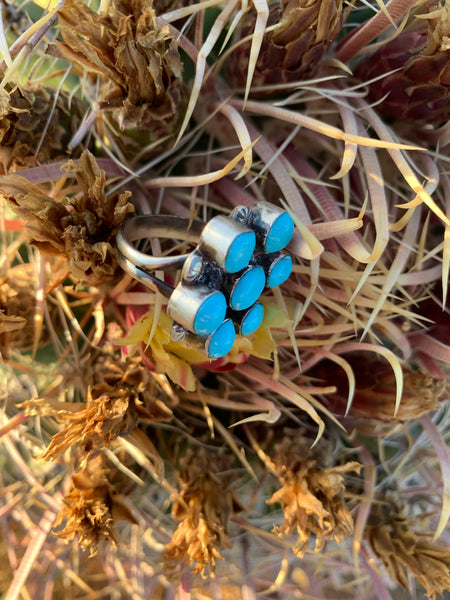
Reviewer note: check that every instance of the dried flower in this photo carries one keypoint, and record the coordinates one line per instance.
(294, 49)
(420, 86)
(122, 393)
(402, 550)
(375, 387)
(137, 61)
(78, 229)
(17, 309)
(203, 507)
(35, 125)
(311, 496)
(91, 507)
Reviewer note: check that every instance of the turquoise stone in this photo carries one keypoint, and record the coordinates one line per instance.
(280, 234)
(240, 252)
(252, 320)
(210, 314)
(248, 288)
(279, 271)
(221, 340)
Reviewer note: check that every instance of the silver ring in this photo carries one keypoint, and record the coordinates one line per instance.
(235, 258)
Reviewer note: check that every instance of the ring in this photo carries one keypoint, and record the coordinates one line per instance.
(221, 280)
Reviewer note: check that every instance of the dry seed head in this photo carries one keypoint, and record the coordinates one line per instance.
(137, 61)
(311, 496)
(91, 508)
(35, 127)
(420, 90)
(401, 549)
(375, 390)
(17, 309)
(295, 48)
(204, 508)
(80, 229)
(121, 394)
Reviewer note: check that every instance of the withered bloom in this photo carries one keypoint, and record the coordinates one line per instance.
(80, 229)
(91, 508)
(403, 550)
(420, 87)
(137, 61)
(122, 393)
(294, 49)
(375, 390)
(312, 494)
(35, 127)
(203, 507)
(17, 307)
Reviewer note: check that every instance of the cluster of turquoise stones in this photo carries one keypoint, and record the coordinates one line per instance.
(222, 280)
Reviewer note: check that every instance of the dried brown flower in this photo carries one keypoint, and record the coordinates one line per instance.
(203, 507)
(375, 390)
(91, 507)
(122, 393)
(35, 127)
(403, 550)
(294, 49)
(17, 309)
(311, 496)
(79, 229)
(420, 86)
(137, 61)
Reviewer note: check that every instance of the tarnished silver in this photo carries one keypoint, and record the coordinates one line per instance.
(242, 214)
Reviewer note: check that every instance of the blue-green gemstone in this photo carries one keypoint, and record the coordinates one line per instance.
(252, 319)
(248, 288)
(279, 271)
(210, 314)
(221, 340)
(240, 252)
(280, 234)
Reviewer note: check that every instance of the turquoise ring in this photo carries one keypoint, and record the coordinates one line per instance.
(221, 279)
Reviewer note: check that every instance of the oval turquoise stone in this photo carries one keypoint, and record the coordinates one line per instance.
(221, 340)
(240, 252)
(210, 314)
(248, 288)
(279, 271)
(252, 320)
(280, 234)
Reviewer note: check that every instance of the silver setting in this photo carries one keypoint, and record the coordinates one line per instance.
(186, 302)
(193, 268)
(242, 214)
(218, 236)
(264, 216)
(177, 332)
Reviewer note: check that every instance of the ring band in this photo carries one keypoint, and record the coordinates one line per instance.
(236, 256)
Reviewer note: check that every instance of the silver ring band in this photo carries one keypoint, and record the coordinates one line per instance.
(156, 226)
